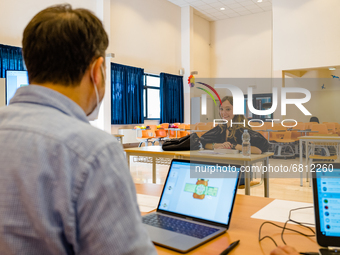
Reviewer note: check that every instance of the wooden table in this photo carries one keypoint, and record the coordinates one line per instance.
(242, 228)
(119, 137)
(157, 151)
(308, 140)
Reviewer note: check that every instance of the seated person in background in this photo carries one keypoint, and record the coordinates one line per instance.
(314, 119)
(229, 136)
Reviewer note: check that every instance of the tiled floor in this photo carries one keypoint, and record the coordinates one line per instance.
(281, 188)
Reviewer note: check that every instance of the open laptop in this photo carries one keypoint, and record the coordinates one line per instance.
(326, 191)
(192, 211)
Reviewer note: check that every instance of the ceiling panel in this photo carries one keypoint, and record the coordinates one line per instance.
(210, 9)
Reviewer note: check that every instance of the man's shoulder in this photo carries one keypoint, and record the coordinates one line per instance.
(85, 138)
(55, 128)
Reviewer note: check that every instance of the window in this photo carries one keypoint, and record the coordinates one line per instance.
(151, 97)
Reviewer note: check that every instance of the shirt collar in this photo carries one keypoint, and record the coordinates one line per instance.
(35, 94)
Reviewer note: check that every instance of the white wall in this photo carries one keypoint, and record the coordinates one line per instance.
(241, 47)
(201, 47)
(324, 102)
(15, 15)
(306, 33)
(146, 34)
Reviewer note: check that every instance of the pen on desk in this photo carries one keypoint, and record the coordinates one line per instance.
(230, 247)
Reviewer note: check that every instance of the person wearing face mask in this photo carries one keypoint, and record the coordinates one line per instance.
(65, 187)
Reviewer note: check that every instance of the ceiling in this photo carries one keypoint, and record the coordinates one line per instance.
(210, 9)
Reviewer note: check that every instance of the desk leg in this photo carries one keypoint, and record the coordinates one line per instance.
(301, 156)
(154, 169)
(307, 156)
(247, 179)
(266, 178)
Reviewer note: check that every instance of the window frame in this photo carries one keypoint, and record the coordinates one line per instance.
(145, 90)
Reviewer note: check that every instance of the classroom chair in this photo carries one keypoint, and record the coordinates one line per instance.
(283, 146)
(165, 125)
(161, 135)
(146, 137)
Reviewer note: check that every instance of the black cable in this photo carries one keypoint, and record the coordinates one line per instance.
(298, 223)
(285, 227)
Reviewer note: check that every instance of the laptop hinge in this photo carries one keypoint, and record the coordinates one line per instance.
(333, 248)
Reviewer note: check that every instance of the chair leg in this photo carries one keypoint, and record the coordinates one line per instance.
(140, 144)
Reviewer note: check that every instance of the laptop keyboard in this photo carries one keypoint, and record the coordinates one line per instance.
(178, 226)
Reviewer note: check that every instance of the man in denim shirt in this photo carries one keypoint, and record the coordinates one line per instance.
(65, 187)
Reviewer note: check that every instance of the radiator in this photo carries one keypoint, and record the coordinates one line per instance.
(129, 135)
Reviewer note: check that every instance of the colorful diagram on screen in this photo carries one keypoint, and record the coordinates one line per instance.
(201, 189)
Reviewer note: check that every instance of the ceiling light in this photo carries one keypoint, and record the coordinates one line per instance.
(331, 68)
(222, 8)
(259, 1)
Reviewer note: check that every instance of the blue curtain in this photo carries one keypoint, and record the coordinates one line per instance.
(127, 94)
(172, 98)
(10, 59)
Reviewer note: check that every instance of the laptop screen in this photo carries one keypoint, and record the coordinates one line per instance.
(328, 188)
(208, 199)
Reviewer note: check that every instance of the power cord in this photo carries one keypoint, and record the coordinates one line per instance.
(302, 224)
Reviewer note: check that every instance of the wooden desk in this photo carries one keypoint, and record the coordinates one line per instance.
(119, 137)
(242, 228)
(157, 151)
(308, 140)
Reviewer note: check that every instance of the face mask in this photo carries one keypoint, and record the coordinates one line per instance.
(94, 114)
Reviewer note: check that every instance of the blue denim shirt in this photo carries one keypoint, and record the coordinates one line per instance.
(65, 187)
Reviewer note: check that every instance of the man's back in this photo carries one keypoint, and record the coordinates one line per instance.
(64, 185)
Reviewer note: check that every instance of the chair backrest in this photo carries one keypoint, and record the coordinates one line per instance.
(331, 125)
(165, 125)
(308, 125)
(278, 126)
(200, 123)
(202, 127)
(187, 126)
(286, 135)
(161, 133)
(337, 126)
(300, 126)
(296, 134)
(321, 128)
(183, 133)
(209, 125)
(182, 126)
(145, 134)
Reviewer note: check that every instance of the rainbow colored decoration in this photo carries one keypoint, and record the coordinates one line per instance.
(213, 90)
(191, 82)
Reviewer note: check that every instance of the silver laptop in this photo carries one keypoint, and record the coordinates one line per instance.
(326, 191)
(192, 211)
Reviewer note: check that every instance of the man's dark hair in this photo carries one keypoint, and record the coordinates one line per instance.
(60, 43)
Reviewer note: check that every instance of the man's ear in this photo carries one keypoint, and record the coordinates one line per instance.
(96, 74)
